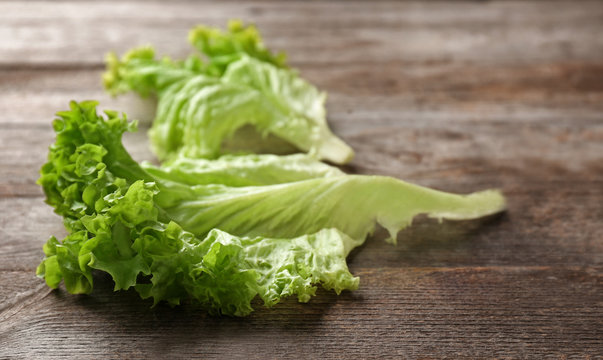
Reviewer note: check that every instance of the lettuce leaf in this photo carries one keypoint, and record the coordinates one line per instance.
(202, 103)
(242, 170)
(222, 48)
(221, 271)
(352, 203)
(172, 235)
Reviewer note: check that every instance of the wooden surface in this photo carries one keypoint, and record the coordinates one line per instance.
(460, 96)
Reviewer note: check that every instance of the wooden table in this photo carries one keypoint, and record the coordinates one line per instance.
(459, 96)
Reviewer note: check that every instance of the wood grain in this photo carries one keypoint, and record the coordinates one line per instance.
(67, 32)
(398, 312)
(459, 96)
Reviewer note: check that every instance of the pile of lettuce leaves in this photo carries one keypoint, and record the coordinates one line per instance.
(211, 228)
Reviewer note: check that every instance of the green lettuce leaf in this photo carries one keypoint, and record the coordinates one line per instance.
(162, 261)
(222, 48)
(203, 103)
(243, 170)
(352, 203)
(139, 71)
(173, 236)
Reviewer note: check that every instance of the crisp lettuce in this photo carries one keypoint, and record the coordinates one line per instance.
(242, 170)
(352, 203)
(222, 271)
(203, 101)
(172, 235)
(222, 48)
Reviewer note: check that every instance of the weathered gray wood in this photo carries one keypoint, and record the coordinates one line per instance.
(533, 233)
(552, 92)
(459, 96)
(367, 32)
(449, 155)
(424, 138)
(494, 312)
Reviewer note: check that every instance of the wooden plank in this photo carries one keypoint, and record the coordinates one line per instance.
(493, 312)
(453, 130)
(454, 158)
(389, 93)
(539, 229)
(445, 153)
(33, 33)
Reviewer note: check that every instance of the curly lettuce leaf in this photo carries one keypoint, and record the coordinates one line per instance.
(139, 71)
(115, 225)
(163, 262)
(196, 115)
(217, 244)
(222, 48)
(201, 104)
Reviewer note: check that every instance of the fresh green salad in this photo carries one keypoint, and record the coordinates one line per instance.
(219, 230)
(232, 82)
